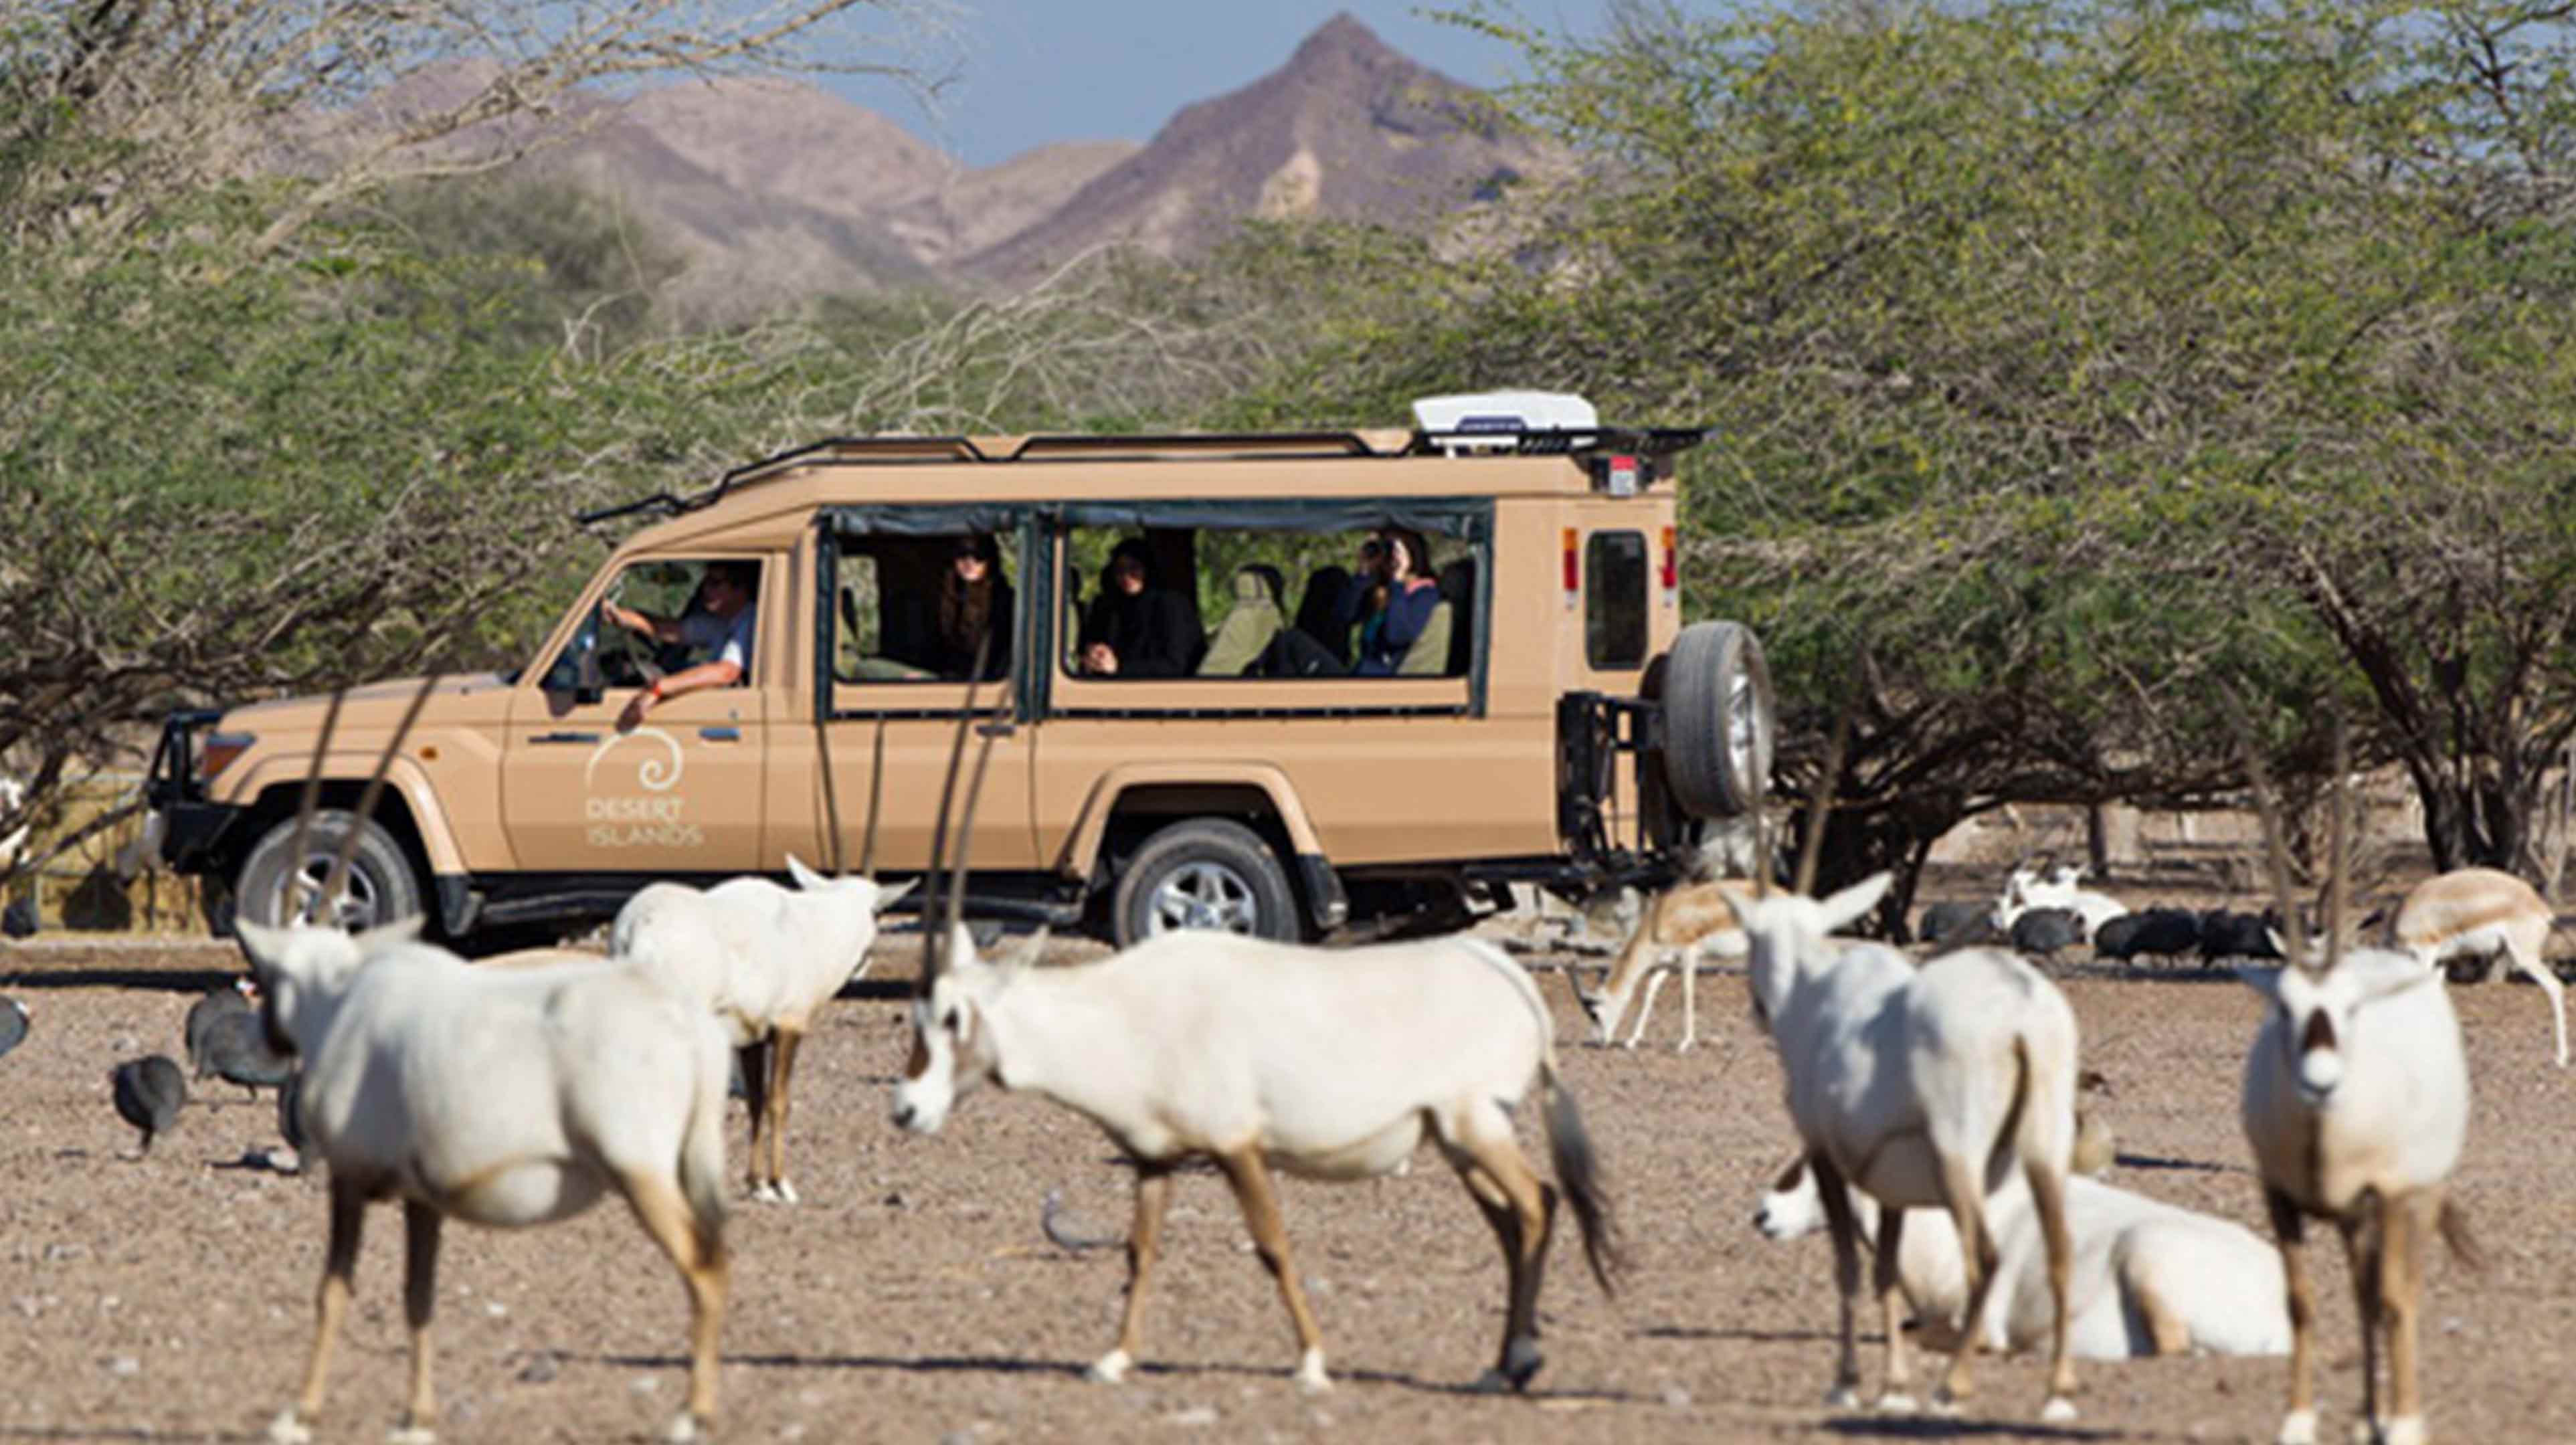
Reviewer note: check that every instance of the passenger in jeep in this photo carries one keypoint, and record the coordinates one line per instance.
(1411, 594)
(975, 599)
(721, 620)
(1136, 629)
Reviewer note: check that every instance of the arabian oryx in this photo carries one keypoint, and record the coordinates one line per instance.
(764, 960)
(2475, 913)
(501, 1097)
(2150, 1278)
(1925, 1088)
(2356, 1104)
(1262, 1055)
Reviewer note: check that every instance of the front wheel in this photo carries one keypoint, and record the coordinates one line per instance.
(381, 888)
(1204, 873)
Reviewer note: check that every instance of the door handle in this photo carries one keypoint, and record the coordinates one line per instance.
(721, 735)
(995, 729)
(565, 738)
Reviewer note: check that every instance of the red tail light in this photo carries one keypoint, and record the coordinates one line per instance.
(1672, 569)
(1573, 561)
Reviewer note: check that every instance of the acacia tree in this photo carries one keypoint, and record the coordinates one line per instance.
(2073, 367)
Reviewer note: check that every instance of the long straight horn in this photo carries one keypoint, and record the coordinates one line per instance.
(2276, 846)
(958, 871)
(1812, 852)
(348, 855)
(1761, 851)
(934, 939)
(2339, 846)
(831, 795)
(876, 797)
(298, 898)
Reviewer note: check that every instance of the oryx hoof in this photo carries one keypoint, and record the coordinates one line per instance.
(2299, 1427)
(411, 1434)
(287, 1430)
(687, 1427)
(1310, 1373)
(785, 1193)
(2404, 1430)
(1521, 1361)
(1842, 1397)
(1897, 1402)
(2058, 1410)
(1944, 1404)
(1111, 1368)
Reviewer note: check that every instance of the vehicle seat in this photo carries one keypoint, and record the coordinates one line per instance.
(1326, 588)
(1458, 589)
(1428, 656)
(1249, 625)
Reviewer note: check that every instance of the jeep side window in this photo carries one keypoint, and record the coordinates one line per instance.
(914, 609)
(661, 617)
(1614, 600)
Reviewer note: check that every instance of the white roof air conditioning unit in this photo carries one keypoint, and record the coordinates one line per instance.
(1462, 423)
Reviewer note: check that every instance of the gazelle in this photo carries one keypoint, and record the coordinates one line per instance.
(2356, 1104)
(502, 1097)
(1922, 1087)
(1262, 1056)
(2474, 913)
(1676, 929)
(2150, 1278)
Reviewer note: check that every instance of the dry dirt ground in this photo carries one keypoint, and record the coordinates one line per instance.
(912, 1297)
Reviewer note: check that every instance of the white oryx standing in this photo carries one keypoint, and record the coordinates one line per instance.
(764, 960)
(2356, 1104)
(1329, 1064)
(504, 1097)
(2476, 913)
(1925, 1088)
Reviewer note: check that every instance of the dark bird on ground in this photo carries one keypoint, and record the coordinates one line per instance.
(13, 1024)
(18, 920)
(1941, 920)
(236, 1048)
(218, 1002)
(2225, 934)
(149, 1092)
(2044, 931)
(2163, 932)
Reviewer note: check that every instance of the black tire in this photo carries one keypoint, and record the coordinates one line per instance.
(1718, 721)
(382, 886)
(1204, 873)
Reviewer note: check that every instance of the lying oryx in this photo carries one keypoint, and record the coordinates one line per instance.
(1330, 1064)
(2149, 1278)
(764, 960)
(1925, 1088)
(501, 1097)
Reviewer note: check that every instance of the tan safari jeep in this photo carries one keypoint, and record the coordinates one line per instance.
(1295, 741)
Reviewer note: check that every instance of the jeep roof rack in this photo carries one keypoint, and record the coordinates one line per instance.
(1489, 430)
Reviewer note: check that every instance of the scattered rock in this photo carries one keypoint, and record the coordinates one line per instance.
(1195, 1416)
(1677, 1398)
(125, 1367)
(539, 1370)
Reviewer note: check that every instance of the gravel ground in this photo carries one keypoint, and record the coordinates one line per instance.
(913, 1297)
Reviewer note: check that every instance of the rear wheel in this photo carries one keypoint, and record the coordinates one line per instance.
(1204, 873)
(1718, 721)
(381, 888)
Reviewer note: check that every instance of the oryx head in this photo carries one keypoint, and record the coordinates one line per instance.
(1785, 933)
(2314, 1011)
(849, 903)
(1791, 1208)
(303, 972)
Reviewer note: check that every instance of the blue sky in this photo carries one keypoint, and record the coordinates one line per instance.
(1034, 71)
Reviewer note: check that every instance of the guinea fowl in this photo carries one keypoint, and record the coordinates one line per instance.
(236, 1048)
(149, 1092)
(222, 1001)
(13, 1024)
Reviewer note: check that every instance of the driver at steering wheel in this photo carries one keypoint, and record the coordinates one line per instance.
(720, 620)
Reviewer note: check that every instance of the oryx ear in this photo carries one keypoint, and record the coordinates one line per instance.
(391, 935)
(1856, 900)
(2287, 987)
(806, 878)
(1033, 950)
(889, 897)
(264, 944)
(2388, 973)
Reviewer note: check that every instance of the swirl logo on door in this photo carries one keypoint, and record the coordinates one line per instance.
(653, 815)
